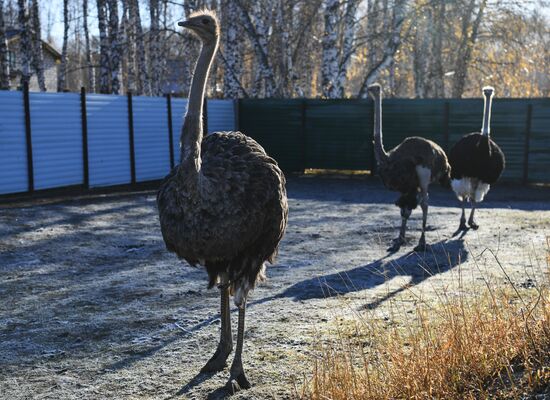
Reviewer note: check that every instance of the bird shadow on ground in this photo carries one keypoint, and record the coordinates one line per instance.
(440, 257)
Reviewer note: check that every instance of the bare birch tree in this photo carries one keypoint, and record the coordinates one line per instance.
(104, 62)
(470, 31)
(114, 44)
(232, 50)
(4, 62)
(87, 48)
(139, 48)
(392, 45)
(155, 68)
(62, 78)
(25, 48)
(37, 56)
(329, 66)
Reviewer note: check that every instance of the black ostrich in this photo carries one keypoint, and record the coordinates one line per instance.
(224, 207)
(409, 168)
(476, 163)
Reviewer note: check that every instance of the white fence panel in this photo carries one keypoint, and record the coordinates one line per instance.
(13, 144)
(108, 140)
(221, 115)
(56, 127)
(151, 138)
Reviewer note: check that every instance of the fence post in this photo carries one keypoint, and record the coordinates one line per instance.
(526, 144)
(446, 114)
(84, 121)
(131, 133)
(170, 129)
(303, 114)
(28, 134)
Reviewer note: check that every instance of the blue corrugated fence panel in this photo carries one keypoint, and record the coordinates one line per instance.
(221, 115)
(56, 127)
(151, 138)
(108, 140)
(13, 145)
(179, 107)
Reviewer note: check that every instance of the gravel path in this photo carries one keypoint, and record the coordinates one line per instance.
(93, 307)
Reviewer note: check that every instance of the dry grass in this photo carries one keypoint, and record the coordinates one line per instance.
(494, 344)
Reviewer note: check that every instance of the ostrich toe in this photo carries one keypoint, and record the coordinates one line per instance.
(473, 224)
(238, 382)
(396, 245)
(218, 360)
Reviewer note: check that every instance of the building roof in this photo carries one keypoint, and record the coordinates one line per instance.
(13, 34)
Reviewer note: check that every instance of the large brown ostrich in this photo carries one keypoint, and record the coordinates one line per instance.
(477, 162)
(409, 168)
(224, 206)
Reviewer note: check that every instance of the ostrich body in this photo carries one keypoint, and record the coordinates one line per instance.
(223, 207)
(477, 162)
(409, 168)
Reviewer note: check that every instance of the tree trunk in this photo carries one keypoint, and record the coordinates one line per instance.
(436, 69)
(62, 79)
(257, 33)
(154, 48)
(24, 42)
(232, 50)
(88, 55)
(37, 56)
(4, 63)
(140, 60)
(392, 45)
(468, 40)
(104, 68)
(329, 66)
(347, 46)
(114, 44)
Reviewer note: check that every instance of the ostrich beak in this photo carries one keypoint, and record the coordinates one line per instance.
(185, 24)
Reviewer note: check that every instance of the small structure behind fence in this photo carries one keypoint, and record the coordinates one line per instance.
(59, 140)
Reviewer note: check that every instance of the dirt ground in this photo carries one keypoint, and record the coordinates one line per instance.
(93, 307)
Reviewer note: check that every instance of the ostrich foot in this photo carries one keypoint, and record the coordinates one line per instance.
(473, 224)
(462, 226)
(421, 246)
(237, 382)
(396, 244)
(218, 360)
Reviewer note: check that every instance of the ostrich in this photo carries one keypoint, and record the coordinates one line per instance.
(477, 162)
(224, 207)
(409, 169)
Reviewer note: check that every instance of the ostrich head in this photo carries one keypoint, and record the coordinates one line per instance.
(204, 24)
(488, 91)
(375, 90)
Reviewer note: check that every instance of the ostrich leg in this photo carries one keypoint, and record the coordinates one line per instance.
(217, 362)
(405, 214)
(237, 379)
(462, 226)
(471, 220)
(424, 205)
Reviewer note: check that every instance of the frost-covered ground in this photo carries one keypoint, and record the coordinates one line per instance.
(93, 307)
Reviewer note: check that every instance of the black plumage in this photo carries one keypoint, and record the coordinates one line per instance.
(476, 156)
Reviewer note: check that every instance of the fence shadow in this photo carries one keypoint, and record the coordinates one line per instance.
(441, 257)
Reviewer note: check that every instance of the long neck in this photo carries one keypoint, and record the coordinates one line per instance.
(380, 153)
(486, 128)
(191, 132)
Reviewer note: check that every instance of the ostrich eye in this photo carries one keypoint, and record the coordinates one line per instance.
(205, 21)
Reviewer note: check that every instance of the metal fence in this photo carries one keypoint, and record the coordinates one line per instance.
(337, 134)
(60, 140)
